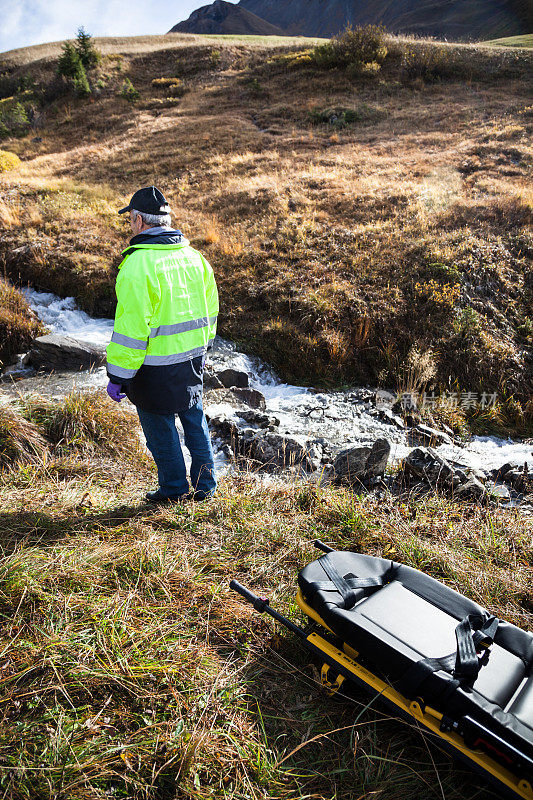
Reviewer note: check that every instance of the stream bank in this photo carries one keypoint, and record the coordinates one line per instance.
(275, 425)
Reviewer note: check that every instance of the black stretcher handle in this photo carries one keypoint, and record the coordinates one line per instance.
(321, 546)
(262, 605)
(259, 603)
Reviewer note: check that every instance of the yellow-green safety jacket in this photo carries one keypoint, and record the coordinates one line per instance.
(166, 315)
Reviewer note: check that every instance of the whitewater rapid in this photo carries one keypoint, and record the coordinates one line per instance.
(339, 418)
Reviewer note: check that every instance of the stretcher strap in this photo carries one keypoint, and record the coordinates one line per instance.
(473, 631)
(346, 586)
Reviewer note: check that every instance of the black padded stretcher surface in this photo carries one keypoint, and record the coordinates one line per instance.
(398, 619)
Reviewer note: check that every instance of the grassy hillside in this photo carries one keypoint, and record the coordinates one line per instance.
(136, 45)
(514, 41)
(359, 215)
(130, 671)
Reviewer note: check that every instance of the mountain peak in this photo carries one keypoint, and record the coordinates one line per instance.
(222, 17)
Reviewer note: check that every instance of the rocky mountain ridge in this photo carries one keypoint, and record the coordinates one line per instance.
(457, 20)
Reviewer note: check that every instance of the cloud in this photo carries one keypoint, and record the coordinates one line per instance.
(27, 22)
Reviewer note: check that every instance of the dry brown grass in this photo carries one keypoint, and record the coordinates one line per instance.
(21, 441)
(318, 242)
(18, 325)
(130, 669)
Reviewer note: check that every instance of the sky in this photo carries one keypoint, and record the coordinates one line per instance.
(26, 22)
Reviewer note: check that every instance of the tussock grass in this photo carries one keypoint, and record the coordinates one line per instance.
(130, 669)
(18, 325)
(84, 422)
(20, 440)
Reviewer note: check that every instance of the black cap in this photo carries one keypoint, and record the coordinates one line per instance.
(149, 200)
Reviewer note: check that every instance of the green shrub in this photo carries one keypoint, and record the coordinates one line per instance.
(467, 322)
(340, 117)
(214, 58)
(129, 92)
(357, 50)
(69, 61)
(255, 87)
(13, 118)
(26, 83)
(525, 329)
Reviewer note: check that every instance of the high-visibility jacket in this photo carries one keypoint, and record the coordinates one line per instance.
(167, 307)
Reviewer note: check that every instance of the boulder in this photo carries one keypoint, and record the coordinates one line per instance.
(224, 428)
(63, 353)
(519, 478)
(251, 397)
(236, 398)
(471, 488)
(359, 465)
(425, 465)
(498, 474)
(274, 450)
(233, 377)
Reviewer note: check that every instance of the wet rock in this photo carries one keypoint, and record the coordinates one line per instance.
(269, 448)
(237, 398)
(518, 477)
(499, 473)
(20, 368)
(259, 418)
(252, 397)
(63, 353)
(227, 452)
(384, 399)
(388, 416)
(471, 488)
(423, 434)
(315, 452)
(274, 450)
(425, 465)
(231, 378)
(359, 465)
(210, 380)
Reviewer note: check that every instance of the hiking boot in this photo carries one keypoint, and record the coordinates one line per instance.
(158, 498)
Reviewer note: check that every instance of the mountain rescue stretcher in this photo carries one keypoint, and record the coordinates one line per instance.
(384, 627)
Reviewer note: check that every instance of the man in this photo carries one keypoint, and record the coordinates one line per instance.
(165, 321)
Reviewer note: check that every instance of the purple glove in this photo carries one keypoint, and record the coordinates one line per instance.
(113, 390)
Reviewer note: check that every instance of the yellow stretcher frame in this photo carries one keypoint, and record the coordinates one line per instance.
(428, 717)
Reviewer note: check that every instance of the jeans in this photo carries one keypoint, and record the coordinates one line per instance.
(163, 442)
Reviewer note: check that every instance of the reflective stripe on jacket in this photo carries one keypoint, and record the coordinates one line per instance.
(167, 307)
